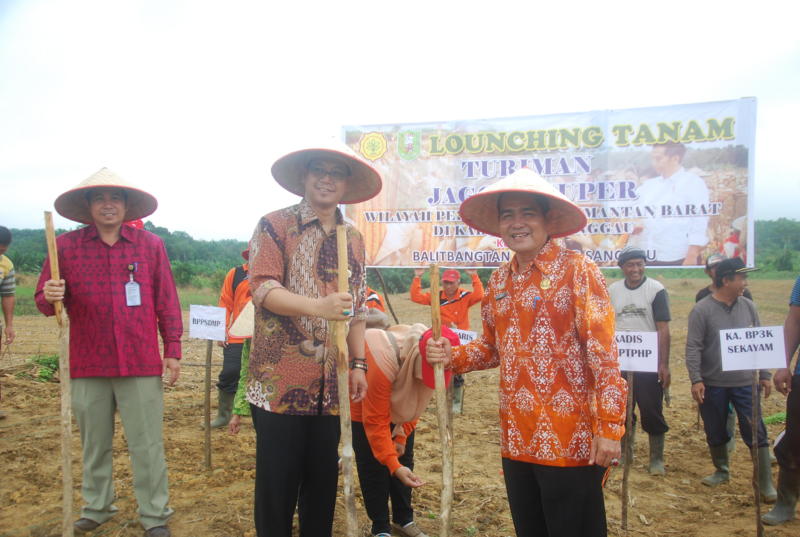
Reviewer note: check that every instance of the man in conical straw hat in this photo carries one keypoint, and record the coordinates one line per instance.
(548, 323)
(292, 384)
(117, 287)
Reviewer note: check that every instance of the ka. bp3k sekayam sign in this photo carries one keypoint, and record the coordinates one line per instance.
(676, 181)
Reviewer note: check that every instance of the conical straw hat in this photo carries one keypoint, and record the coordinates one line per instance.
(364, 183)
(480, 210)
(73, 204)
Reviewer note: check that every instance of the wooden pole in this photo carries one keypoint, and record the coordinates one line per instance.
(207, 409)
(386, 295)
(754, 422)
(628, 447)
(64, 377)
(442, 412)
(343, 382)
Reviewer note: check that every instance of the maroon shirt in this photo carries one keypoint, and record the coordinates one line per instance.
(108, 338)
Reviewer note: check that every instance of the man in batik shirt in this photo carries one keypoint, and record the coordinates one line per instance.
(549, 325)
(292, 385)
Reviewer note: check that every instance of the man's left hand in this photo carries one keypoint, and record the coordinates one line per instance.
(358, 385)
(766, 387)
(603, 451)
(173, 365)
(664, 377)
(10, 335)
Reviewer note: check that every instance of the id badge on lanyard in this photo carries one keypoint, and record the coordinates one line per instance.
(133, 295)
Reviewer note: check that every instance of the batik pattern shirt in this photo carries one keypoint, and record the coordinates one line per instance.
(550, 328)
(293, 360)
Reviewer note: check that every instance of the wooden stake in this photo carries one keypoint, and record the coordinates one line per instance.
(343, 382)
(386, 295)
(207, 405)
(754, 421)
(442, 412)
(628, 447)
(64, 378)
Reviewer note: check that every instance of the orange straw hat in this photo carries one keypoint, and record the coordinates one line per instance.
(364, 182)
(563, 217)
(73, 204)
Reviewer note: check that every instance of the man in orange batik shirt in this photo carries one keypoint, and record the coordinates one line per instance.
(549, 325)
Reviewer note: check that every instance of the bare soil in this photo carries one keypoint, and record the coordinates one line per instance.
(219, 502)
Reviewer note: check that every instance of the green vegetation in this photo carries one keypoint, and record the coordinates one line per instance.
(780, 417)
(200, 266)
(41, 368)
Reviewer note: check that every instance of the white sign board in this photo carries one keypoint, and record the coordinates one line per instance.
(638, 351)
(207, 322)
(757, 347)
(465, 336)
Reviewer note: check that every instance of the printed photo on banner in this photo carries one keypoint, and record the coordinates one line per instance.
(676, 181)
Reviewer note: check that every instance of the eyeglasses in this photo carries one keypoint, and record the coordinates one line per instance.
(318, 172)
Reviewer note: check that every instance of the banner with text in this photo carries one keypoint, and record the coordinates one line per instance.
(676, 181)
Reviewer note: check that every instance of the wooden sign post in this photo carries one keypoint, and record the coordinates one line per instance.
(442, 412)
(64, 378)
(343, 383)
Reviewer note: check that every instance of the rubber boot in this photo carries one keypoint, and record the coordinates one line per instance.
(629, 436)
(656, 455)
(719, 456)
(768, 493)
(788, 491)
(224, 410)
(730, 426)
(458, 399)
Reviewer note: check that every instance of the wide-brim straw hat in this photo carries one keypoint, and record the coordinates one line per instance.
(364, 183)
(73, 204)
(244, 325)
(563, 217)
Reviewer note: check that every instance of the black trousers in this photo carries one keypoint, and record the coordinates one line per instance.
(378, 485)
(787, 449)
(550, 501)
(648, 395)
(296, 465)
(231, 363)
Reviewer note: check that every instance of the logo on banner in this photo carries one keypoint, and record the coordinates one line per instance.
(373, 145)
(409, 144)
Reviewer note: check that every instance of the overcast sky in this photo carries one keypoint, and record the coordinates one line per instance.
(193, 100)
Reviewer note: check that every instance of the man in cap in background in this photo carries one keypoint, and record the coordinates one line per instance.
(787, 446)
(454, 305)
(548, 324)
(292, 385)
(116, 284)
(641, 304)
(234, 296)
(713, 388)
(711, 268)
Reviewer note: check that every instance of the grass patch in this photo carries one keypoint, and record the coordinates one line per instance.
(780, 417)
(41, 368)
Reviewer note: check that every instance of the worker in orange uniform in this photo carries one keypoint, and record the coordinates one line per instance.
(234, 296)
(374, 299)
(454, 304)
(384, 423)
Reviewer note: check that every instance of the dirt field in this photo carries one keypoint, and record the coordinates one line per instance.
(218, 503)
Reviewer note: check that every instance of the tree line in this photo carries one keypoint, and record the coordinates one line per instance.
(202, 263)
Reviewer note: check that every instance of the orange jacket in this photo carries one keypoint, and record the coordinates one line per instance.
(374, 299)
(234, 300)
(455, 311)
(550, 328)
(375, 410)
